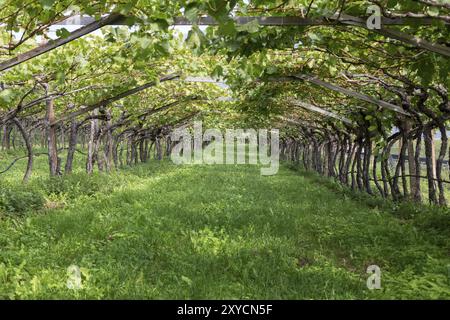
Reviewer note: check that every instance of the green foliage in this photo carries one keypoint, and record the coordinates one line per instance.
(162, 231)
(157, 231)
(19, 199)
(75, 185)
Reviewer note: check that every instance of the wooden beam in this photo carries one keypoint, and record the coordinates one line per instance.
(321, 21)
(299, 122)
(264, 21)
(53, 44)
(415, 41)
(221, 84)
(398, 35)
(107, 101)
(322, 111)
(351, 93)
(91, 25)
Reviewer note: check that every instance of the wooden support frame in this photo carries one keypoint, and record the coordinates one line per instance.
(345, 91)
(107, 101)
(53, 44)
(319, 110)
(90, 25)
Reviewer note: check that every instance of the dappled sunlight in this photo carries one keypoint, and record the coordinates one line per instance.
(213, 232)
(215, 149)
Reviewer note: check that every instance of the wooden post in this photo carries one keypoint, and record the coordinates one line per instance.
(51, 137)
(93, 132)
(433, 154)
(411, 162)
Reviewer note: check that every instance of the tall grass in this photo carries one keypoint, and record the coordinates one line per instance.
(221, 231)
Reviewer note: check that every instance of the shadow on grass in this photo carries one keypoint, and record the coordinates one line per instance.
(215, 232)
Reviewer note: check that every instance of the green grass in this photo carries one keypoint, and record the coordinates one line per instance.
(160, 231)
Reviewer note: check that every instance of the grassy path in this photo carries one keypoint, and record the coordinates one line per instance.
(160, 231)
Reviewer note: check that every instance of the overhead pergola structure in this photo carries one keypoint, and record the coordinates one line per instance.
(360, 96)
(332, 144)
(118, 97)
(342, 19)
(319, 110)
(90, 25)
